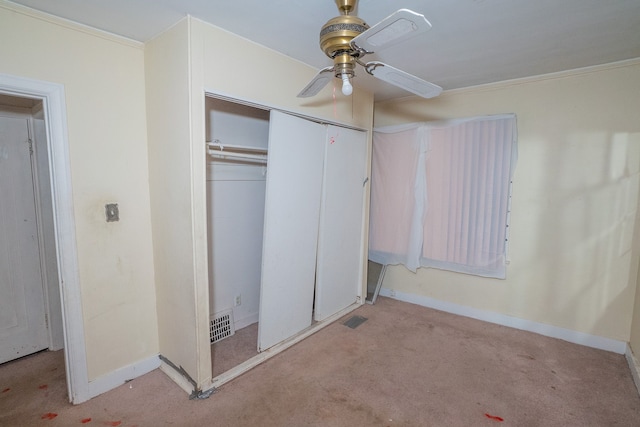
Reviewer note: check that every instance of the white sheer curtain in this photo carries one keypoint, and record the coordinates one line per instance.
(397, 198)
(440, 194)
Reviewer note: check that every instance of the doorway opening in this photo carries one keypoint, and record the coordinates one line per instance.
(30, 301)
(51, 96)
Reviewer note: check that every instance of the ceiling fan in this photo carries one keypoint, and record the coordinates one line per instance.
(347, 39)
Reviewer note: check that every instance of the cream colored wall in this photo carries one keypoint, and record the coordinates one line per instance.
(634, 342)
(182, 64)
(575, 198)
(168, 112)
(103, 80)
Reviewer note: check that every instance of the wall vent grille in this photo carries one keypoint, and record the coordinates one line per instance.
(221, 326)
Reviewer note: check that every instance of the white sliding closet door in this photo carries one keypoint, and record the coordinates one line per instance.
(340, 240)
(292, 212)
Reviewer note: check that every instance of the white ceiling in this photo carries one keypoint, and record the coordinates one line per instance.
(472, 41)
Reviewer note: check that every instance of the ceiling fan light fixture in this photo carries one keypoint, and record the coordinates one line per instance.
(347, 88)
(344, 66)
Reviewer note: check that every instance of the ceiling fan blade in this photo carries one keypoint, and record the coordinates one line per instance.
(403, 79)
(317, 83)
(399, 26)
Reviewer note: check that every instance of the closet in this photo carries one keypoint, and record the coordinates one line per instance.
(237, 139)
(285, 200)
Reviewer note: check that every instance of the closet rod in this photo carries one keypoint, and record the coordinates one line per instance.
(222, 147)
(241, 156)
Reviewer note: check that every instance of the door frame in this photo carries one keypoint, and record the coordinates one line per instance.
(54, 108)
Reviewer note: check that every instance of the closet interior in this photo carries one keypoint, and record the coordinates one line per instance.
(237, 141)
(285, 221)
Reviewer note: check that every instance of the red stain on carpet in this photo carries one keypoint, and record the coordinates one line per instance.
(43, 387)
(6, 390)
(49, 416)
(85, 420)
(112, 423)
(493, 417)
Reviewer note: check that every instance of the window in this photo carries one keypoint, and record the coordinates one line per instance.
(440, 194)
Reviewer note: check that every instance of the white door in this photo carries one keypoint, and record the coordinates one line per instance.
(292, 212)
(23, 328)
(340, 255)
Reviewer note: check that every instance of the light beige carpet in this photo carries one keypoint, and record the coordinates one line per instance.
(405, 366)
(234, 350)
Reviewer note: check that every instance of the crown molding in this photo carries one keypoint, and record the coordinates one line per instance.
(527, 80)
(549, 76)
(67, 23)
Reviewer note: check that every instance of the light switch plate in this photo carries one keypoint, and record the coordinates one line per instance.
(112, 212)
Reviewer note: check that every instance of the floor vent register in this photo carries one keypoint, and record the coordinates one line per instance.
(221, 326)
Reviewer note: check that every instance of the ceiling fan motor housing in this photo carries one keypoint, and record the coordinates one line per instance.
(335, 39)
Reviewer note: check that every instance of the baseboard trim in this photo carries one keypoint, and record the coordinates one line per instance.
(634, 367)
(120, 376)
(246, 321)
(569, 335)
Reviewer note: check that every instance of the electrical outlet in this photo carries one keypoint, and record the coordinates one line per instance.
(238, 300)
